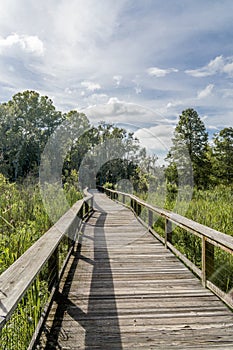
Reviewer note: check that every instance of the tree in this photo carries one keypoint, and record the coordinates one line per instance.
(26, 123)
(223, 156)
(105, 153)
(190, 136)
(75, 137)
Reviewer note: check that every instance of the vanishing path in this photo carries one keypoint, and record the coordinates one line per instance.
(123, 290)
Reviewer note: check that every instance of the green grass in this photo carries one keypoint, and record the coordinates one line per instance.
(212, 208)
(23, 220)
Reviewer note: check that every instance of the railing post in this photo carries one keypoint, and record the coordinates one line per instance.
(85, 209)
(168, 232)
(53, 269)
(123, 199)
(207, 260)
(150, 218)
(131, 203)
(139, 209)
(82, 211)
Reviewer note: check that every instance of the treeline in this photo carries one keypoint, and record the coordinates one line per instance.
(107, 153)
(102, 155)
(211, 161)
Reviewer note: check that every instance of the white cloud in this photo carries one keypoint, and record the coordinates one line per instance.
(205, 92)
(138, 89)
(228, 68)
(214, 66)
(100, 44)
(117, 80)
(90, 86)
(25, 43)
(174, 104)
(158, 72)
(212, 127)
(118, 111)
(157, 140)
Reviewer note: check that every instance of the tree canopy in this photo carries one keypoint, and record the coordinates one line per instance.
(223, 155)
(26, 122)
(190, 136)
(105, 152)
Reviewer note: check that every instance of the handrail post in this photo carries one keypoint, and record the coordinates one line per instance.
(168, 232)
(53, 268)
(207, 260)
(150, 218)
(92, 202)
(139, 209)
(131, 203)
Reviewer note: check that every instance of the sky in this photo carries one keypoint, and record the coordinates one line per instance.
(135, 63)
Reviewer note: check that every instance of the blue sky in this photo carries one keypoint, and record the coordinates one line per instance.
(134, 62)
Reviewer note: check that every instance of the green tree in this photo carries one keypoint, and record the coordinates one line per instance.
(190, 137)
(26, 122)
(75, 135)
(223, 156)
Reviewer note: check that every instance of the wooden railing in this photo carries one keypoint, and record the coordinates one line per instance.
(35, 275)
(216, 248)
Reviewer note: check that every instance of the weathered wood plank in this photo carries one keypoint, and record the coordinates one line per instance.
(124, 290)
(15, 281)
(217, 237)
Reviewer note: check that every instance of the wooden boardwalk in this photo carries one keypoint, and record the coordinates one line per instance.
(123, 290)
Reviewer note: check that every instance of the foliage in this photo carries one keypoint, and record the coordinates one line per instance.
(108, 185)
(223, 156)
(190, 137)
(26, 122)
(23, 218)
(102, 155)
(111, 154)
(211, 207)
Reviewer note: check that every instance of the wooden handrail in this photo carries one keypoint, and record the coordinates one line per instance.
(209, 237)
(200, 230)
(16, 280)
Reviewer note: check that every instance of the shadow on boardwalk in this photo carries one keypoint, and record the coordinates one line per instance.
(100, 322)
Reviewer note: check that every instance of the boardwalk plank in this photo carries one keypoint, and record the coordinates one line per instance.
(124, 290)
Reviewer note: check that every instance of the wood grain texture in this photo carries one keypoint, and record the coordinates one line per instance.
(124, 290)
(15, 281)
(213, 236)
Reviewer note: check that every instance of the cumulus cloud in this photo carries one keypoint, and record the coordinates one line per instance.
(228, 68)
(138, 89)
(174, 104)
(117, 80)
(70, 50)
(214, 66)
(118, 111)
(158, 72)
(205, 92)
(90, 86)
(14, 43)
(157, 139)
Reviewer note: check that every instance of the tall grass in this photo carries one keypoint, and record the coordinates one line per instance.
(23, 220)
(212, 208)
